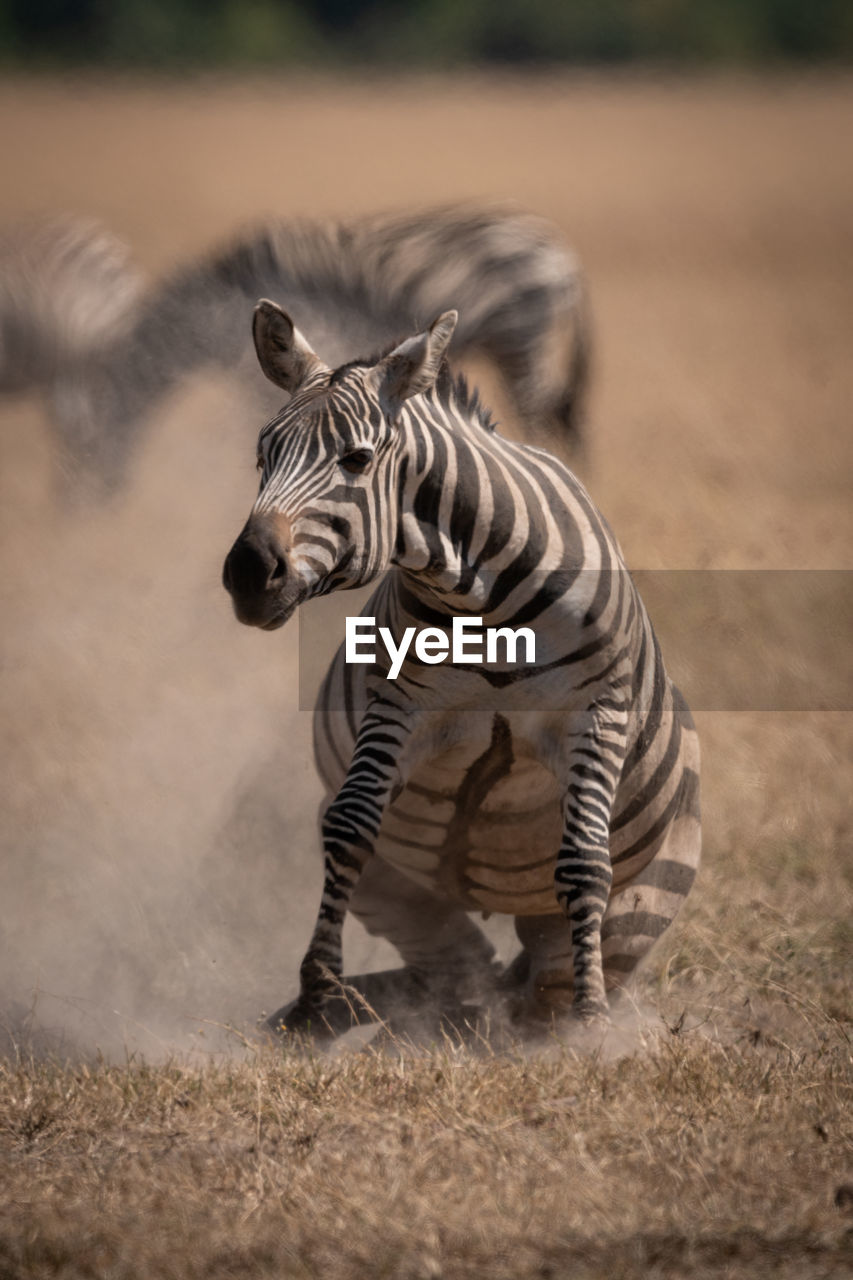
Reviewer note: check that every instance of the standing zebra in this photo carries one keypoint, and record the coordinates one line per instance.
(563, 793)
(74, 323)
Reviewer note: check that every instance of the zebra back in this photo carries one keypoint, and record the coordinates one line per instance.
(108, 359)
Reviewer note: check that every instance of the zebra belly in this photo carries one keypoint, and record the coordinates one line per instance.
(481, 829)
(481, 822)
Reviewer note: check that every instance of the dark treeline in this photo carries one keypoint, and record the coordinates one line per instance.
(169, 33)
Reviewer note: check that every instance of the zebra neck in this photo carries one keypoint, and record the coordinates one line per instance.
(466, 514)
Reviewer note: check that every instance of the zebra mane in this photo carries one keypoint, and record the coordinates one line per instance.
(468, 399)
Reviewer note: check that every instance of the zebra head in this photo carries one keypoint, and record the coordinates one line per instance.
(327, 511)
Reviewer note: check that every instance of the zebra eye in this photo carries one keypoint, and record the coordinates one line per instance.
(358, 460)
(259, 462)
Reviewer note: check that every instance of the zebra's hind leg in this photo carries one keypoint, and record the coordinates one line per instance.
(363, 998)
(641, 912)
(447, 959)
(538, 983)
(440, 945)
(403, 1001)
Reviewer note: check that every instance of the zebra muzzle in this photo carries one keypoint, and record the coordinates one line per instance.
(263, 588)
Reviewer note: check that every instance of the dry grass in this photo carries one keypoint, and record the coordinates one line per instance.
(693, 1158)
(159, 869)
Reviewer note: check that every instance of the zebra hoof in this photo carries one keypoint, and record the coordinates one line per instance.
(299, 1020)
(277, 1023)
(591, 1013)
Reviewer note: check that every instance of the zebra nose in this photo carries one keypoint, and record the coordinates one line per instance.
(257, 562)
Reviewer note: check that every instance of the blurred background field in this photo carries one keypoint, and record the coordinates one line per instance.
(159, 871)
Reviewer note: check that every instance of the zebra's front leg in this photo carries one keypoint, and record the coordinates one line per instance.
(350, 827)
(583, 875)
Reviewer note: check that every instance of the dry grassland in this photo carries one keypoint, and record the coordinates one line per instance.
(159, 872)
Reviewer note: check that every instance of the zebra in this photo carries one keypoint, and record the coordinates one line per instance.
(76, 322)
(566, 793)
(67, 286)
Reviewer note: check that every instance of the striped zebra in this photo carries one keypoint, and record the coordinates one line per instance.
(75, 323)
(563, 793)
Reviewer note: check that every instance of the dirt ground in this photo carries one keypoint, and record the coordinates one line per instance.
(158, 870)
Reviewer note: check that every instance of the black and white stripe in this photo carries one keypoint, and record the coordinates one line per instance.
(563, 794)
(75, 323)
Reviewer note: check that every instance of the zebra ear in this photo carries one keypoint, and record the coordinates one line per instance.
(284, 355)
(413, 366)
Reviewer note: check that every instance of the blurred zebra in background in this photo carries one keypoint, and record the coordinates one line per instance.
(562, 791)
(76, 324)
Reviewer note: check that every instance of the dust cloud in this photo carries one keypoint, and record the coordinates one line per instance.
(160, 866)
